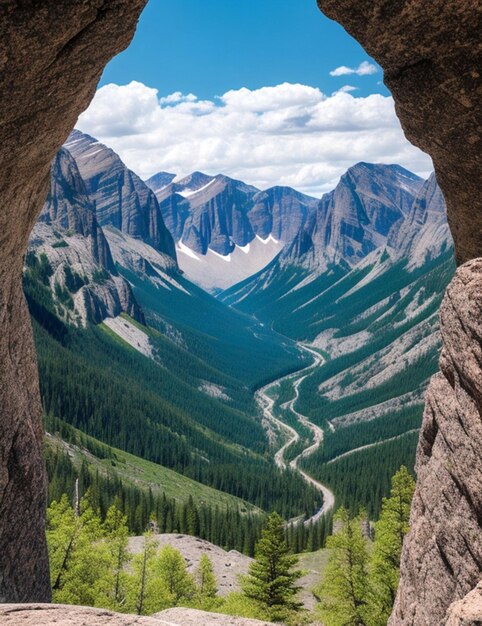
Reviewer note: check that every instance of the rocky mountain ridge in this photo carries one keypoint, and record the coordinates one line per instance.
(374, 312)
(122, 199)
(81, 273)
(216, 220)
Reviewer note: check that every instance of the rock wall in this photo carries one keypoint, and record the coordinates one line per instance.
(51, 58)
(442, 559)
(431, 56)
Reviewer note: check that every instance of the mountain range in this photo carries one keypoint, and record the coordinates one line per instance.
(121, 273)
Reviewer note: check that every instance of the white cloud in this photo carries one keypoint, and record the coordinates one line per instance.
(288, 134)
(345, 89)
(364, 69)
(176, 97)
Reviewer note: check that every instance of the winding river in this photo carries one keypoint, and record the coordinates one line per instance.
(266, 404)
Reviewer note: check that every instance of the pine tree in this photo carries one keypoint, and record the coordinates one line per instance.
(80, 575)
(390, 531)
(206, 592)
(116, 533)
(343, 592)
(140, 597)
(271, 577)
(177, 584)
(205, 577)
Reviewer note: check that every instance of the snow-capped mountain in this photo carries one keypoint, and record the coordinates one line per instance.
(226, 230)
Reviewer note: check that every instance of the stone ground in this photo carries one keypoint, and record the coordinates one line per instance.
(65, 615)
(229, 565)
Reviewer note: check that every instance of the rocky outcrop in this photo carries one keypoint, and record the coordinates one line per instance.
(122, 199)
(68, 615)
(51, 57)
(80, 259)
(468, 611)
(442, 556)
(431, 57)
(191, 617)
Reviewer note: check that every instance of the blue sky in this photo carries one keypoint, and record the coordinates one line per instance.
(210, 46)
(267, 91)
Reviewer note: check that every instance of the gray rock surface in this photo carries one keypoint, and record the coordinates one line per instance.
(468, 611)
(68, 615)
(442, 554)
(80, 257)
(122, 199)
(51, 57)
(191, 617)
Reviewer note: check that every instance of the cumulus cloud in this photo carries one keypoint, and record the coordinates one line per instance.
(364, 69)
(176, 97)
(289, 134)
(345, 89)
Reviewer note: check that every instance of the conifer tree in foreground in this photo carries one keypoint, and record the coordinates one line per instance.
(343, 592)
(390, 531)
(207, 588)
(116, 534)
(271, 578)
(206, 579)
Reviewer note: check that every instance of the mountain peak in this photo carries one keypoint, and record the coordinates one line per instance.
(160, 180)
(121, 198)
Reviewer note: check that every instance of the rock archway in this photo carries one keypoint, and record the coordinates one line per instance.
(51, 57)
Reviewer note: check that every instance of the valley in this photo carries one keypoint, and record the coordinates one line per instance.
(210, 352)
(264, 397)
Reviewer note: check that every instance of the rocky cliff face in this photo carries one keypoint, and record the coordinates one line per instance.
(122, 199)
(443, 552)
(356, 218)
(68, 208)
(431, 56)
(83, 279)
(43, 93)
(219, 212)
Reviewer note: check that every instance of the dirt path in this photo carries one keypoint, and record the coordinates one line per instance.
(266, 404)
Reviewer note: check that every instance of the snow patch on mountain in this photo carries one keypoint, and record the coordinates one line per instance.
(209, 271)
